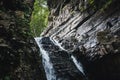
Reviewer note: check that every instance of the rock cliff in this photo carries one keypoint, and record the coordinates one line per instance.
(63, 67)
(90, 30)
(19, 54)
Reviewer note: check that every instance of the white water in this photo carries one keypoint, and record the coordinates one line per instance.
(77, 64)
(57, 44)
(49, 70)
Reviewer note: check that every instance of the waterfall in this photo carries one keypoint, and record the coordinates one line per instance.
(49, 70)
(77, 64)
(57, 44)
(49, 66)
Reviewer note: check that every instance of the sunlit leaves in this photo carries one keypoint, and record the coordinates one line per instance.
(39, 17)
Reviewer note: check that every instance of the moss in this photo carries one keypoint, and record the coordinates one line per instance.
(81, 8)
(7, 78)
(73, 39)
(91, 1)
(102, 33)
(102, 36)
(105, 6)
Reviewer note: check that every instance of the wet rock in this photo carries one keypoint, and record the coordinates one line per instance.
(93, 25)
(45, 40)
(64, 67)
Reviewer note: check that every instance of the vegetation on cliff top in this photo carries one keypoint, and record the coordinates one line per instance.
(39, 19)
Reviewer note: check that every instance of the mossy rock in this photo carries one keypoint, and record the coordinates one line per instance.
(103, 37)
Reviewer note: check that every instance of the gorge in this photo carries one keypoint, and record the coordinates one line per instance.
(88, 32)
(81, 41)
(57, 62)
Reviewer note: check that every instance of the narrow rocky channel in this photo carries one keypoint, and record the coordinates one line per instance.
(58, 63)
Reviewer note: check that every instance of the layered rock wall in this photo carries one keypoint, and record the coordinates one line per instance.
(89, 29)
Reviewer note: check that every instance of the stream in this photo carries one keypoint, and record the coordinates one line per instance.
(57, 62)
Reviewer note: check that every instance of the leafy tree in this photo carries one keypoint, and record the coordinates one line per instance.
(39, 19)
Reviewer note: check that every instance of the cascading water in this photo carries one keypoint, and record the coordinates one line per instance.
(49, 70)
(57, 62)
(56, 43)
(77, 64)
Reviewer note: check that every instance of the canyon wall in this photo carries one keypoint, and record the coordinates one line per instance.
(19, 54)
(90, 30)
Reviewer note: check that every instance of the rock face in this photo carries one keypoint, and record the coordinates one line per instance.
(90, 30)
(64, 68)
(19, 54)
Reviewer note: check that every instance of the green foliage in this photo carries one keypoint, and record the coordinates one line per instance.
(91, 1)
(7, 78)
(100, 4)
(106, 5)
(39, 19)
